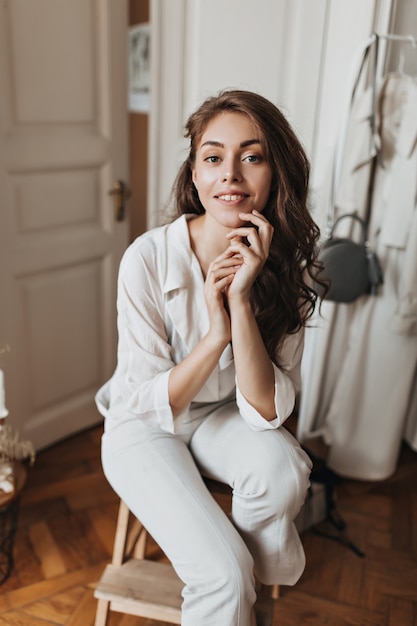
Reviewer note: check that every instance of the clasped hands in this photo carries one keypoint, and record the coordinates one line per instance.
(231, 275)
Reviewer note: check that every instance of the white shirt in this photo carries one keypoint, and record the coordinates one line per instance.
(162, 315)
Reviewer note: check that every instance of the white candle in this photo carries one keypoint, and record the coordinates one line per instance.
(3, 411)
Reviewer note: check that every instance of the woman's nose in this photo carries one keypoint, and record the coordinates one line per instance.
(231, 170)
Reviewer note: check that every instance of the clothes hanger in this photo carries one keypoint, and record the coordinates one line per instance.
(407, 39)
(401, 38)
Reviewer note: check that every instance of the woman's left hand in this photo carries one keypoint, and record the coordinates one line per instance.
(253, 256)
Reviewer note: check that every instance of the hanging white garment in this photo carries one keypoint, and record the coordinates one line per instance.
(359, 375)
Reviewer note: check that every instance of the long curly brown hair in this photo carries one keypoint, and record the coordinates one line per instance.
(283, 297)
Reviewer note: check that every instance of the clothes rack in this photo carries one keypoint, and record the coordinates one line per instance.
(373, 38)
(359, 387)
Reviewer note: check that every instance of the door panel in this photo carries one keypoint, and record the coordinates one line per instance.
(63, 118)
(55, 200)
(52, 45)
(73, 299)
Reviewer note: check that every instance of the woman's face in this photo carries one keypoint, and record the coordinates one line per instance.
(230, 172)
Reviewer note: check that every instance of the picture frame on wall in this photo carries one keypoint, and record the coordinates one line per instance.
(139, 68)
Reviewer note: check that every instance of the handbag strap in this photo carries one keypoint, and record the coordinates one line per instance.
(340, 145)
(353, 216)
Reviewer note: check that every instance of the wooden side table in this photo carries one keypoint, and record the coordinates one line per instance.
(9, 514)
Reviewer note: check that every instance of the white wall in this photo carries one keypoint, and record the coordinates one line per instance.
(298, 53)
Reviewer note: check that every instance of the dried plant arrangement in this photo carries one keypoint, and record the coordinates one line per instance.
(12, 448)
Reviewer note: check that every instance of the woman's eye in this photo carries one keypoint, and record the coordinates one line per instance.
(212, 159)
(252, 158)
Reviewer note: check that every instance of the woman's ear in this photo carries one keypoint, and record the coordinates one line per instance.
(194, 178)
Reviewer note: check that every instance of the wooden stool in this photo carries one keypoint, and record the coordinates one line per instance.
(133, 585)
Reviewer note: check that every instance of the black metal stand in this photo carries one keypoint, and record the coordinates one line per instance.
(329, 479)
(8, 524)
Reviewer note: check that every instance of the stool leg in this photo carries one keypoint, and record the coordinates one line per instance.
(265, 605)
(275, 592)
(121, 533)
(140, 547)
(102, 612)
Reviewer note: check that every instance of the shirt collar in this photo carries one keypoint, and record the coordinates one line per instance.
(179, 255)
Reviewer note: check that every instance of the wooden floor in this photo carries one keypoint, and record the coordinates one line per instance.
(66, 527)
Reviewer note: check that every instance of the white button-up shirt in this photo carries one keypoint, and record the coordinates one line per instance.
(162, 316)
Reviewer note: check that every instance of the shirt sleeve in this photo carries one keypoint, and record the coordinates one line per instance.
(140, 383)
(287, 384)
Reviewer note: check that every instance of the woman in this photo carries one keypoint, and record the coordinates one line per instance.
(211, 311)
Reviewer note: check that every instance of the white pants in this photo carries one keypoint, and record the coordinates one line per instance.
(158, 475)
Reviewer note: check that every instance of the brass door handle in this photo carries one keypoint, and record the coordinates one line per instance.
(120, 192)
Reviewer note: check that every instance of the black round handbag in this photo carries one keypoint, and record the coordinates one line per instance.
(351, 268)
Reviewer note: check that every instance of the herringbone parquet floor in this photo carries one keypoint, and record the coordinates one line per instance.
(65, 537)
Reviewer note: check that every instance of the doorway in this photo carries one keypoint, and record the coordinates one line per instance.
(138, 143)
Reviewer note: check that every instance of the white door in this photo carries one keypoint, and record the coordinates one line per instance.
(63, 144)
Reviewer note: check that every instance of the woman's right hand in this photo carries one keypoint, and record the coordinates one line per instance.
(219, 276)
(189, 376)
